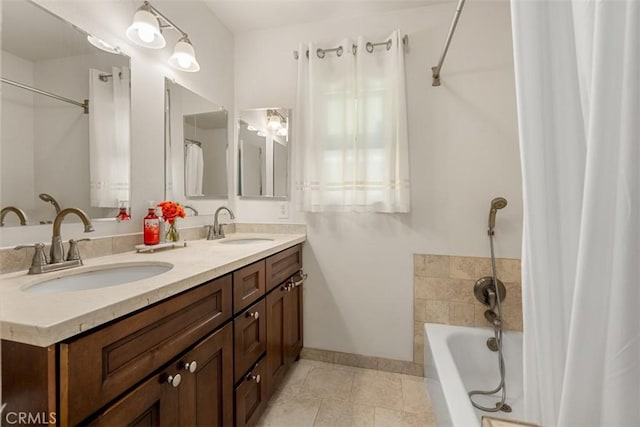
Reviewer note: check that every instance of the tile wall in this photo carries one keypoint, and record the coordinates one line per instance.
(443, 293)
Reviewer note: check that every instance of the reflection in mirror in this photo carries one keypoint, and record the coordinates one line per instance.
(65, 131)
(195, 146)
(263, 157)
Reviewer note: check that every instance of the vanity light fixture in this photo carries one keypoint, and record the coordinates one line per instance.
(102, 45)
(275, 120)
(146, 31)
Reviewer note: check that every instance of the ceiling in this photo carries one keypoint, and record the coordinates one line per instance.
(249, 15)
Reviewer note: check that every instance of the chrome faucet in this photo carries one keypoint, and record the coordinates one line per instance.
(19, 212)
(216, 231)
(57, 250)
(195, 211)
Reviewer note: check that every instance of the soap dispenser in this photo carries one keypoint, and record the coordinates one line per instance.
(151, 226)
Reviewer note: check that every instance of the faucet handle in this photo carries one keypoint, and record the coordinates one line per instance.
(74, 253)
(210, 231)
(39, 257)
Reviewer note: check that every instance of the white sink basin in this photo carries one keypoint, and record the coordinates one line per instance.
(245, 241)
(98, 277)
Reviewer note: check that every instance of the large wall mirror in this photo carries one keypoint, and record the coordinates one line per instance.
(263, 144)
(196, 140)
(65, 134)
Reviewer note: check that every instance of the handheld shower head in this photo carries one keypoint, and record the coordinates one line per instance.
(497, 203)
(49, 199)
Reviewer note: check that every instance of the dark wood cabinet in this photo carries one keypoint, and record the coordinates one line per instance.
(251, 396)
(284, 329)
(248, 285)
(250, 332)
(191, 391)
(208, 382)
(154, 403)
(210, 356)
(98, 367)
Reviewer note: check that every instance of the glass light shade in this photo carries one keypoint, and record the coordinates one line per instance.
(145, 30)
(274, 122)
(282, 131)
(184, 57)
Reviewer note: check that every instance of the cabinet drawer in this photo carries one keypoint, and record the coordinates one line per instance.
(96, 368)
(251, 397)
(281, 266)
(250, 335)
(248, 285)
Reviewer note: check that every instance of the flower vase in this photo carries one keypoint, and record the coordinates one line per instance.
(172, 234)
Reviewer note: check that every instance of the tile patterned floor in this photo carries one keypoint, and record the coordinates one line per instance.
(318, 394)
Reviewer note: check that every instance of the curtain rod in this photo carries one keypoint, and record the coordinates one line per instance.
(193, 141)
(435, 71)
(321, 52)
(84, 105)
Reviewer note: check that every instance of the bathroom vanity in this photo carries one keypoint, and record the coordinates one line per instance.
(203, 344)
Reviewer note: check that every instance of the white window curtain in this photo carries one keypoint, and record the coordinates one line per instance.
(109, 137)
(577, 67)
(351, 148)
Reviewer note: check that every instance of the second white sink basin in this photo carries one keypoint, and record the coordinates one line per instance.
(98, 277)
(245, 240)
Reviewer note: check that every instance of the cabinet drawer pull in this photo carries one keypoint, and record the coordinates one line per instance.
(287, 287)
(255, 315)
(303, 277)
(255, 378)
(191, 366)
(174, 380)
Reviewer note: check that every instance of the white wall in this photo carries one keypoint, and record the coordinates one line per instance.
(214, 47)
(18, 141)
(464, 152)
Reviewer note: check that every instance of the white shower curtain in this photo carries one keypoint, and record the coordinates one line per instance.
(578, 92)
(351, 150)
(109, 137)
(193, 170)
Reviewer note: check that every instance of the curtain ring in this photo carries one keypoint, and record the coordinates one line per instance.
(339, 51)
(389, 44)
(369, 47)
(320, 53)
(354, 49)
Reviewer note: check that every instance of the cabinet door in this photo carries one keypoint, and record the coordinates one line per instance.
(277, 318)
(294, 333)
(155, 403)
(251, 397)
(250, 333)
(207, 389)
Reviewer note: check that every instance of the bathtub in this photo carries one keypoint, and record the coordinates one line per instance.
(457, 360)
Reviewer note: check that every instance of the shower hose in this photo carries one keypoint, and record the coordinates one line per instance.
(497, 330)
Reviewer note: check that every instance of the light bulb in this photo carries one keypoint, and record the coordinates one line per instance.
(145, 34)
(184, 61)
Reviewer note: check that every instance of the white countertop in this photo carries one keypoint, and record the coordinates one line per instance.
(44, 319)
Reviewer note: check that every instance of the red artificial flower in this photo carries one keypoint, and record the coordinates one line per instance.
(171, 210)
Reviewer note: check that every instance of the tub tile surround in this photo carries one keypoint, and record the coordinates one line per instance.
(16, 260)
(322, 394)
(443, 293)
